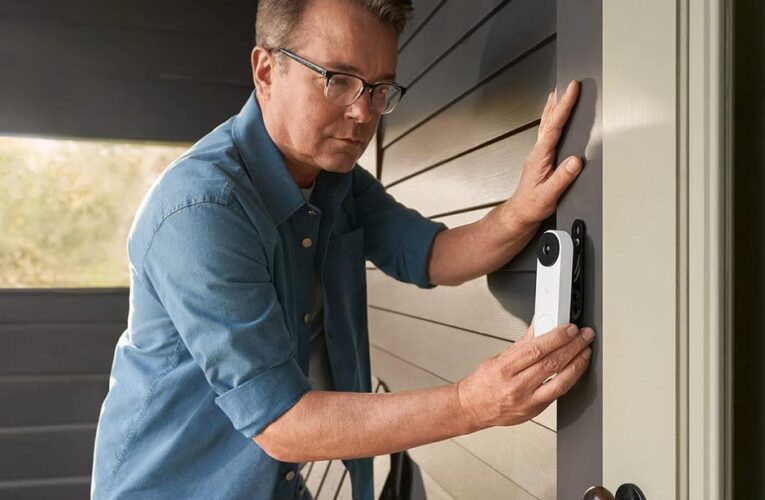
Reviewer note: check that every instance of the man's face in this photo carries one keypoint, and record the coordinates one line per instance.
(310, 130)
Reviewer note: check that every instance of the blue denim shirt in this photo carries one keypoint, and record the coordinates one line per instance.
(223, 253)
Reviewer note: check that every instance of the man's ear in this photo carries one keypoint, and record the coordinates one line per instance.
(263, 67)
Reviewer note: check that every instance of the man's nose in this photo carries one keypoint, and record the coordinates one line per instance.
(361, 110)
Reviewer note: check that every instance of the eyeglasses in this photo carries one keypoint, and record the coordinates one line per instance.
(344, 89)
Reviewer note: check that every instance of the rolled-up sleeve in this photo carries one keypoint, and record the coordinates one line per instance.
(397, 239)
(207, 267)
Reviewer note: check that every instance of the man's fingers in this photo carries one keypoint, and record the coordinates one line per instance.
(565, 379)
(546, 113)
(557, 360)
(563, 109)
(522, 355)
(563, 176)
(558, 116)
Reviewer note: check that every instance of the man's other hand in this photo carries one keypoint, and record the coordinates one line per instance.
(510, 388)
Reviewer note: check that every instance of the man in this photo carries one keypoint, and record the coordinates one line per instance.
(246, 351)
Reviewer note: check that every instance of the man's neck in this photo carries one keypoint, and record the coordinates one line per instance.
(304, 175)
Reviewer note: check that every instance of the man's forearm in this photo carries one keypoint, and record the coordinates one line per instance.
(467, 252)
(340, 425)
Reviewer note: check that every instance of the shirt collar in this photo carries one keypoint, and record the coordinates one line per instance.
(265, 166)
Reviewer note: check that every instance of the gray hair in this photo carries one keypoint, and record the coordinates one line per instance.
(277, 21)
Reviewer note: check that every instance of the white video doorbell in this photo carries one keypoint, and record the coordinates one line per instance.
(555, 260)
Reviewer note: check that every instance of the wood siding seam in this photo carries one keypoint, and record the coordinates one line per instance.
(446, 381)
(419, 26)
(67, 20)
(53, 378)
(64, 292)
(42, 429)
(492, 140)
(20, 326)
(6, 484)
(521, 57)
(428, 66)
(466, 330)
(490, 466)
(91, 76)
(411, 363)
(190, 80)
(465, 210)
(499, 305)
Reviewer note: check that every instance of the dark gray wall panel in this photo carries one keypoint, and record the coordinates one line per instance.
(64, 48)
(160, 71)
(41, 452)
(90, 107)
(451, 22)
(41, 400)
(501, 304)
(64, 348)
(56, 349)
(63, 306)
(47, 489)
(512, 100)
(205, 17)
(518, 26)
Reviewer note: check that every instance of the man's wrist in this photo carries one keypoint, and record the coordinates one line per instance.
(513, 224)
(469, 421)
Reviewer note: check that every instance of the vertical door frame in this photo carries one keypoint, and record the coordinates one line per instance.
(579, 56)
(666, 247)
(709, 246)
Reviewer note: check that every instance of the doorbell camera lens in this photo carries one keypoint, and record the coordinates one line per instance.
(549, 249)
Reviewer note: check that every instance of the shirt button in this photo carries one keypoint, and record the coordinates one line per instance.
(307, 243)
(306, 318)
(312, 212)
(290, 475)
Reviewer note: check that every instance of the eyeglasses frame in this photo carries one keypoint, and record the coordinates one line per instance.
(327, 74)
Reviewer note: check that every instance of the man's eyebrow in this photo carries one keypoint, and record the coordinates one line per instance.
(348, 68)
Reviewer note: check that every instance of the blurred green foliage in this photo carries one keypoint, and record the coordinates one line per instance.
(66, 208)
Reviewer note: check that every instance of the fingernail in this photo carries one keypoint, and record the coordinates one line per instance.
(572, 330)
(588, 334)
(573, 166)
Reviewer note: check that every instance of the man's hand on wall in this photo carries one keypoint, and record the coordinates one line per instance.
(510, 388)
(541, 185)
